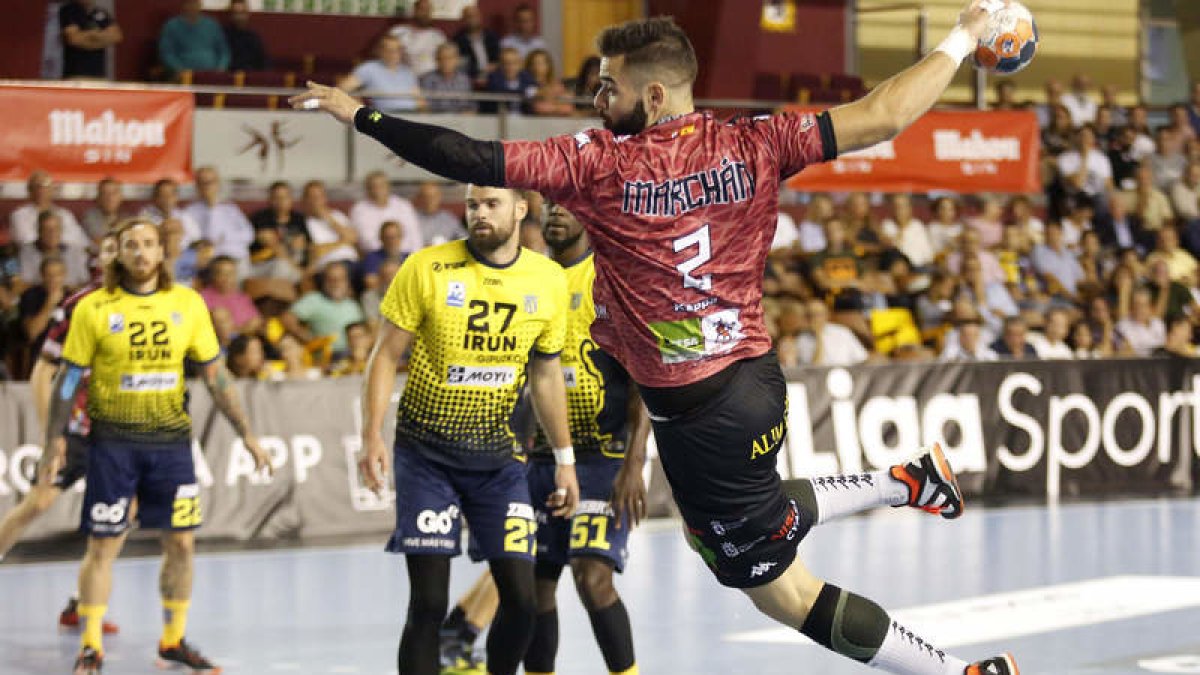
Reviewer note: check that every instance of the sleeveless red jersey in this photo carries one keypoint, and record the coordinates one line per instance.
(681, 218)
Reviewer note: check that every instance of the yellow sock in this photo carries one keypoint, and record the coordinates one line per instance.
(631, 670)
(92, 617)
(174, 621)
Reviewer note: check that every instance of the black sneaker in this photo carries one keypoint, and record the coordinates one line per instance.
(931, 483)
(89, 662)
(184, 655)
(1000, 665)
(458, 657)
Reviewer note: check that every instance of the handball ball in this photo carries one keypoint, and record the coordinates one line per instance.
(1009, 41)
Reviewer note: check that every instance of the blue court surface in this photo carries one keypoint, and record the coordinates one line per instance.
(1099, 588)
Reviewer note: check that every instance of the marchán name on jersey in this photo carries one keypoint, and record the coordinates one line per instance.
(731, 182)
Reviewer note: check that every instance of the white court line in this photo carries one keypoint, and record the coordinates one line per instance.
(991, 618)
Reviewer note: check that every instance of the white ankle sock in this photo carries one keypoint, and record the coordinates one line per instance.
(839, 496)
(905, 653)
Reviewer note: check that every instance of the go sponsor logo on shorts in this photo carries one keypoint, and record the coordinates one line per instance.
(437, 522)
(109, 514)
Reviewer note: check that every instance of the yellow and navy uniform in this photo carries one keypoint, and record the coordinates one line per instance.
(135, 345)
(597, 386)
(476, 326)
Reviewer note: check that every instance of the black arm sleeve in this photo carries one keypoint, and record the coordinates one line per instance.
(445, 152)
(828, 138)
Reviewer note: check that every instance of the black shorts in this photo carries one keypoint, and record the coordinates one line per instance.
(75, 464)
(720, 459)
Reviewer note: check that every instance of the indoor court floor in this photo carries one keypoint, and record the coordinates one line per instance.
(1084, 588)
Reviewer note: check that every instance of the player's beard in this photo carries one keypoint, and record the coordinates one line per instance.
(631, 124)
(486, 243)
(557, 244)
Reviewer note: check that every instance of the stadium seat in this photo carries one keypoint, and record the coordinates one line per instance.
(261, 79)
(211, 78)
(768, 87)
(802, 85)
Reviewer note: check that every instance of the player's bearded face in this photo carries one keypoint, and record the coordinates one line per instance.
(561, 230)
(141, 252)
(492, 218)
(628, 124)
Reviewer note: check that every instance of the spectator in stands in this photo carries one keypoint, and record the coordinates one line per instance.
(105, 212)
(192, 41)
(386, 73)
(246, 357)
(1147, 202)
(270, 257)
(861, 225)
(1105, 130)
(945, 228)
(1006, 96)
(447, 78)
(524, 37)
(36, 307)
(479, 46)
(164, 204)
(1057, 266)
(1051, 343)
(1056, 136)
(836, 269)
(1013, 342)
(331, 235)
(1105, 340)
(1142, 329)
(933, 306)
(1124, 158)
(372, 296)
(990, 298)
(221, 222)
(1054, 95)
(551, 97)
(1077, 219)
(23, 223)
(970, 244)
(379, 205)
(246, 51)
(1180, 263)
(586, 84)
(295, 362)
(908, 232)
(1117, 229)
(1185, 193)
(87, 33)
(1171, 298)
(509, 78)
(1168, 160)
(358, 348)
(811, 233)
(281, 215)
(50, 244)
(1181, 122)
(1109, 102)
(327, 312)
(1085, 169)
(1031, 227)
(222, 290)
(1139, 121)
(437, 225)
(1178, 341)
(179, 258)
(1083, 342)
(391, 235)
(989, 223)
(825, 343)
(966, 343)
(420, 39)
(1079, 100)
(1094, 261)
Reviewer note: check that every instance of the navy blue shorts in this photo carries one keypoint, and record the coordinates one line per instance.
(593, 530)
(162, 477)
(431, 500)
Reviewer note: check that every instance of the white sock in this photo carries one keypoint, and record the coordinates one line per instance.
(905, 653)
(839, 496)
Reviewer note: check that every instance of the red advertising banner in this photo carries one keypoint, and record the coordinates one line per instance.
(956, 151)
(86, 134)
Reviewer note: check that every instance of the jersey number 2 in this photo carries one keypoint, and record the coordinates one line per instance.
(703, 244)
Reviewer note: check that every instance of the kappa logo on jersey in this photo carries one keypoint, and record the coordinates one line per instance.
(149, 381)
(456, 294)
(481, 376)
(807, 122)
(761, 568)
(571, 377)
(116, 323)
(437, 522)
(531, 304)
(581, 139)
(576, 301)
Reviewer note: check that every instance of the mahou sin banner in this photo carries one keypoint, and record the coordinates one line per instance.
(86, 134)
(959, 151)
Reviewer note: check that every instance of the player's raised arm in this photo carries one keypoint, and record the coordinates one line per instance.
(896, 103)
(378, 385)
(438, 150)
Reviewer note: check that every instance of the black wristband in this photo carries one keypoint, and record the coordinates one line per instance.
(828, 138)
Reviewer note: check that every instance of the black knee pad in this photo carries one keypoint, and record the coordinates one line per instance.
(848, 624)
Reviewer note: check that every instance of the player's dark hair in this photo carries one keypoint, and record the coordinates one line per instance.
(655, 45)
(115, 273)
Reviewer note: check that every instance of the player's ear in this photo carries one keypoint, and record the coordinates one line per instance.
(520, 207)
(655, 96)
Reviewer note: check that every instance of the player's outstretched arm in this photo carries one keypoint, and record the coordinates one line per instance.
(629, 489)
(549, 393)
(901, 99)
(223, 389)
(439, 150)
(378, 386)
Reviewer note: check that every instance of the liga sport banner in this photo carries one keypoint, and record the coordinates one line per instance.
(970, 151)
(80, 134)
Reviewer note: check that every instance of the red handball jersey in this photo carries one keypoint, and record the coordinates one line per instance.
(52, 348)
(681, 218)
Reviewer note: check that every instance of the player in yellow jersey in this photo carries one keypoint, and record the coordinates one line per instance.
(481, 316)
(609, 426)
(134, 334)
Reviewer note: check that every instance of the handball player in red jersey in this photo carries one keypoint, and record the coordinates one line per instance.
(681, 210)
